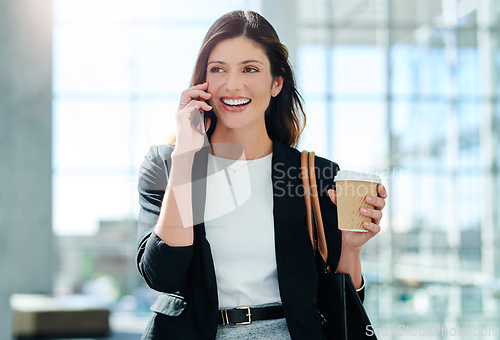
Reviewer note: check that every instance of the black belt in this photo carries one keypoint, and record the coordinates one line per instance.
(245, 315)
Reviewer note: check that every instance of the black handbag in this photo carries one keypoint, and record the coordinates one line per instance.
(341, 309)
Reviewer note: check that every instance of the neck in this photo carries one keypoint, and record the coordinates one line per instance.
(242, 146)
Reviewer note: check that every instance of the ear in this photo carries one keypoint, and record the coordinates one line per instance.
(277, 86)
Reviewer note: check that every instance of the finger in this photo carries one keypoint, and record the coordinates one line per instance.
(372, 227)
(381, 191)
(194, 93)
(377, 202)
(200, 86)
(197, 104)
(198, 96)
(333, 196)
(376, 215)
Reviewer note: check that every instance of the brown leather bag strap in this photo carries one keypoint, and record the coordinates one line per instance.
(304, 169)
(323, 248)
(311, 195)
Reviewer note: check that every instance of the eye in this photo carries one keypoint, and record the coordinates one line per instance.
(216, 69)
(250, 69)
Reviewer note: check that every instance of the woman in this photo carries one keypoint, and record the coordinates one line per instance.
(222, 229)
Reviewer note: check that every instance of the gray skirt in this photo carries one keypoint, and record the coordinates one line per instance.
(262, 329)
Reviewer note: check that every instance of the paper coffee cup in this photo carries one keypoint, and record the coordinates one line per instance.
(352, 188)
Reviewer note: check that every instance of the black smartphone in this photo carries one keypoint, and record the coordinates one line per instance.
(199, 120)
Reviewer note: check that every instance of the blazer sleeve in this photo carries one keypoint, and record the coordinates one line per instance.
(325, 180)
(163, 267)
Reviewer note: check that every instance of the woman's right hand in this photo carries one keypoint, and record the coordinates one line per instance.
(176, 219)
(189, 138)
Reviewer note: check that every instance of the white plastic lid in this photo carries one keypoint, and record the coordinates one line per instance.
(347, 175)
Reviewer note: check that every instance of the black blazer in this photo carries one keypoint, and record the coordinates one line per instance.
(188, 307)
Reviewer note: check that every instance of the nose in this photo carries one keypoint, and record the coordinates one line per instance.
(233, 82)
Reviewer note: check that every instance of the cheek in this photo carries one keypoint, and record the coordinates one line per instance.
(264, 96)
(213, 85)
(262, 88)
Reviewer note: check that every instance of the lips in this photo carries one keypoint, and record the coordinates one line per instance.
(235, 101)
(235, 104)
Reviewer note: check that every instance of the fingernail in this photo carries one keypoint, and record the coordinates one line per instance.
(366, 224)
(363, 210)
(369, 198)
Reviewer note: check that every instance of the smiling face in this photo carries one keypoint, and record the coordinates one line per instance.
(240, 81)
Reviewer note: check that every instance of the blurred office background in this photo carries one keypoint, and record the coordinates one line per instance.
(407, 89)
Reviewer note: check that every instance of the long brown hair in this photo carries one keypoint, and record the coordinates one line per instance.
(285, 117)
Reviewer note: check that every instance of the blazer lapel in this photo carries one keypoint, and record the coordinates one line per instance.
(297, 273)
(288, 195)
(207, 279)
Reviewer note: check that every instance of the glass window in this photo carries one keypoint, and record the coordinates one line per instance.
(359, 135)
(439, 215)
(358, 70)
(92, 59)
(311, 76)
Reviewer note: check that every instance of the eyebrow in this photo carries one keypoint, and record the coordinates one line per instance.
(242, 63)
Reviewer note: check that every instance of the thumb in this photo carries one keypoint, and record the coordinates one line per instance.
(333, 196)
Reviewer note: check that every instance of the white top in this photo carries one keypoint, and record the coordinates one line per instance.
(347, 175)
(240, 229)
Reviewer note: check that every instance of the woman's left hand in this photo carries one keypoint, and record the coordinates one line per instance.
(356, 240)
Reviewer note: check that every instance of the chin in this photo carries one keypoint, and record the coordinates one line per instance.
(231, 124)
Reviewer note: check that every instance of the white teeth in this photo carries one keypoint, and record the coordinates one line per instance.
(235, 102)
